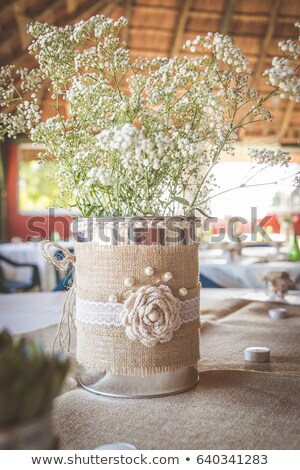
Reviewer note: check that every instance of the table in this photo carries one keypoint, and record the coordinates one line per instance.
(29, 252)
(235, 406)
(22, 313)
(245, 271)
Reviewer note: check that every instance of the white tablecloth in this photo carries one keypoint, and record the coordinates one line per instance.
(246, 271)
(21, 313)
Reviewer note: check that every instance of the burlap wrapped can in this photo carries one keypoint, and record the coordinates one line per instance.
(137, 305)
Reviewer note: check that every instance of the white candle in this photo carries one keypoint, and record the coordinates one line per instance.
(257, 354)
(277, 313)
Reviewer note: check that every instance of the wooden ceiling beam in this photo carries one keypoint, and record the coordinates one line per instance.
(101, 7)
(22, 20)
(8, 8)
(266, 41)
(286, 119)
(47, 16)
(264, 52)
(128, 10)
(71, 6)
(183, 16)
(227, 16)
(245, 17)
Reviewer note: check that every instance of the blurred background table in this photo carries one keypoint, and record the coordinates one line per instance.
(244, 270)
(28, 252)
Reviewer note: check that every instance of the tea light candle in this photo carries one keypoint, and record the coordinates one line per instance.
(257, 354)
(277, 313)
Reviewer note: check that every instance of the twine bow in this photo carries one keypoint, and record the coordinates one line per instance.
(63, 264)
(49, 255)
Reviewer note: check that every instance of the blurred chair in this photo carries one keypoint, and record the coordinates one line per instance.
(206, 282)
(11, 286)
(67, 281)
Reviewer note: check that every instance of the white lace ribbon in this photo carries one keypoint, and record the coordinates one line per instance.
(107, 313)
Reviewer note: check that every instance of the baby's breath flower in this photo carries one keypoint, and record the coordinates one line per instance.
(284, 72)
(140, 151)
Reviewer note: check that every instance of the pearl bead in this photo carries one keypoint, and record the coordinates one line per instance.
(149, 271)
(167, 276)
(128, 282)
(153, 315)
(113, 299)
(183, 291)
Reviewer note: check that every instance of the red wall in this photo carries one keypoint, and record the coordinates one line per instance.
(26, 226)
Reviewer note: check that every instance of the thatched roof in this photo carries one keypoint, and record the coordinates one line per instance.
(160, 27)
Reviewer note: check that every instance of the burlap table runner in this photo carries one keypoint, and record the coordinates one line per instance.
(228, 330)
(229, 409)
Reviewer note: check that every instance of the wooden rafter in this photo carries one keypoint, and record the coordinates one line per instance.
(128, 9)
(264, 51)
(183, 16)
(47, 16)
(286, 119)
(243, 17)
(71, 6)
(266, 41)
(227, 16)
(22, 21)
(104, 7)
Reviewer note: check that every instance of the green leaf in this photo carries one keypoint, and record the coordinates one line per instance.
(182, 201)
(89, 211)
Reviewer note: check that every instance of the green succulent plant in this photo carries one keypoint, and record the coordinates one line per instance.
(29, 379)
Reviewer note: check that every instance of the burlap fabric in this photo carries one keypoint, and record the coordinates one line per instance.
(227, 410)
(100, 271)
(109, 348)
(235, 407)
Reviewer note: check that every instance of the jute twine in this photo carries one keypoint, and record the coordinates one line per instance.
(100, 271)
(48, 250)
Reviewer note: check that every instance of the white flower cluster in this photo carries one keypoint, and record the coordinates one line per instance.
(223, 49)
(54, 51)
(268, 157)
(109, 27)
(284, 72)
(99, 175)
(7, 89)
(262, 113)
(25, 114)
(30, 79)
(134, 148)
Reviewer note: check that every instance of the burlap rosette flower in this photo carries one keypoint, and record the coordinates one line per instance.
(151, 315)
